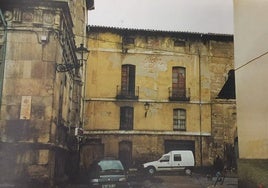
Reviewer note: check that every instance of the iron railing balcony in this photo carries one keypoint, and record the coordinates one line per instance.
(179, 95)
(122, 93)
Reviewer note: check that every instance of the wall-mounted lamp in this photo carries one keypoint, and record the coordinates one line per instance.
(146, 108)
(81, 54)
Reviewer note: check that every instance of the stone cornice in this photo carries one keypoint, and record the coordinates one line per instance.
(20, 10)
(144, 132)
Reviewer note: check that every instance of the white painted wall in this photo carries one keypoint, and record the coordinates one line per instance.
(251, 65)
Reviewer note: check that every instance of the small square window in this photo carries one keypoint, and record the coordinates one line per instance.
(128, 40)
(179, 43)
(177, 157)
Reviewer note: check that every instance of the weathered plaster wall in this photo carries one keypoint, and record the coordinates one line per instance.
(154, 55)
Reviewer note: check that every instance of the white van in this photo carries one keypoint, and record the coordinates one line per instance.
(172, 161)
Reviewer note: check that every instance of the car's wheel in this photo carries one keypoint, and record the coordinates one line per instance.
(188, 171)
(151, 170)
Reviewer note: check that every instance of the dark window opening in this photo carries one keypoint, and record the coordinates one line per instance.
(178, 90)
(179, 43)
(128, 40)
(177, 157)
(126, 118)
(128, 90)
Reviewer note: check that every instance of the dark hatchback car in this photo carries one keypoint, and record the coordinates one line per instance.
(108, 173)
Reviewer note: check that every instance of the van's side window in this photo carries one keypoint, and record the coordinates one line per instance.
(164, 158)
(177, 157)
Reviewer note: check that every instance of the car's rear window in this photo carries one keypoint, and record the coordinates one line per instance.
(110, 164)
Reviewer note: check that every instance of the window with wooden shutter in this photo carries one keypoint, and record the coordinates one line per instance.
(126, 118)
(128, 80)
(178, 82)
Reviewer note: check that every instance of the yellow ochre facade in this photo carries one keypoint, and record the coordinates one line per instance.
(149, 92)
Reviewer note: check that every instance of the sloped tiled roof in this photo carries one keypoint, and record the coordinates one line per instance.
(216, 36)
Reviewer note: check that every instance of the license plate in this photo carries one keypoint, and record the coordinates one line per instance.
(108, 186)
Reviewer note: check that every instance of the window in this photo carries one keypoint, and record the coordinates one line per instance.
(165, 158)
(127, 40)
(177, 157)
(178, 82)
(1, 53)
(128, 81)
(126, 118)
(179, 120)
(179, 43)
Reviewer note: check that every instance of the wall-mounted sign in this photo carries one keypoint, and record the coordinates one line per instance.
(25, 109)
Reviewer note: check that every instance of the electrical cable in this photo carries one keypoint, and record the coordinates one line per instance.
(251, 61)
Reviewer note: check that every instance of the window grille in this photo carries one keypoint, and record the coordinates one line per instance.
(179, 119)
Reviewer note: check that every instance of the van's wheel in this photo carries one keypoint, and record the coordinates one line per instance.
(151, 170)
(188, 171)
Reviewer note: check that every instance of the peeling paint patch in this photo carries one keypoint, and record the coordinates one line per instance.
(149, 92)
(154, 63)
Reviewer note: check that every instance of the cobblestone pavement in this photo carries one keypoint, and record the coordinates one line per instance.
(182, 181)
(191, 182)
(176, 181)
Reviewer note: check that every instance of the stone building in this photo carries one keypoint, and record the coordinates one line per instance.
(251, 76)
(149, 92)
(40, 88)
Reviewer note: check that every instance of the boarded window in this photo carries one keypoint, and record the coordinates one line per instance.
(178, 82)
(126, 118)
(179, 119)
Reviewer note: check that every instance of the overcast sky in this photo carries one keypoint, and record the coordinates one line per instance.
(205, 16)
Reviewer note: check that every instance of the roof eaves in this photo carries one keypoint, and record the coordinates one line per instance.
(109, 28)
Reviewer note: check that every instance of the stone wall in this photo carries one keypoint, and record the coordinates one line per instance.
(37, 100)
(224, 131)
(145, 148)
(207, 61)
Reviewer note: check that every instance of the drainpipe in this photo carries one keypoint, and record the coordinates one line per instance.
(200, 108)
(4, 55)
